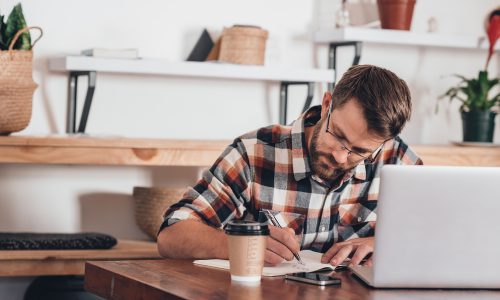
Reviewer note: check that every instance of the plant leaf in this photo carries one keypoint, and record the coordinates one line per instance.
(464, 79)
(493, 32)
(449, 93)
(3, 26)
(16, 22)
(2, 29)
(495, 100)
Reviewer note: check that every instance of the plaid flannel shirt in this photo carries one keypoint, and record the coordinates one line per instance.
(269, 169)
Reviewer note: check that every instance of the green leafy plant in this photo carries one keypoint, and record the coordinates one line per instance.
(473, 93)
(10, 26)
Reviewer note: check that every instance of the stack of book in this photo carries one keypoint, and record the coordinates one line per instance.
(131, 53)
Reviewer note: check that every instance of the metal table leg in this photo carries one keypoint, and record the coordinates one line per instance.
(71, 109)
(284, 98)
(332, 57)
(72, 100)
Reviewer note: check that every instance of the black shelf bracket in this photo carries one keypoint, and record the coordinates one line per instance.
(332, 57)
(72, 100)
(284, 98)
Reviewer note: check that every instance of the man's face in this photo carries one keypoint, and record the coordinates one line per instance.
(347, 129)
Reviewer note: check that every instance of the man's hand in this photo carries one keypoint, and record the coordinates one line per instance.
(359, 249)
(281, 244)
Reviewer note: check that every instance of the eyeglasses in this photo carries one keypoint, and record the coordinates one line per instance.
(353, 156)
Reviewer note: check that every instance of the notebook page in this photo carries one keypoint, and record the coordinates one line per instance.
(311, 259)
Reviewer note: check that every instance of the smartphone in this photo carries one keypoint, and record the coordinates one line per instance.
(313, 278)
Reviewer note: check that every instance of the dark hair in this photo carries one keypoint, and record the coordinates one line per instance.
(384, 97)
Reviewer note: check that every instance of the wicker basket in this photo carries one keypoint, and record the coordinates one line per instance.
(16, 86)
(243, 45)
(150, 203)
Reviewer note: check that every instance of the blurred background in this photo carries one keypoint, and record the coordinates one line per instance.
(63, 198)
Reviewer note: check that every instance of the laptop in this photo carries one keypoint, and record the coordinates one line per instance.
(437, 227)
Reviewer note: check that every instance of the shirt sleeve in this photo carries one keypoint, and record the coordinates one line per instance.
(220, 195)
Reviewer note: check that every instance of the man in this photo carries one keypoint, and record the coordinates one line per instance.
(319, 176)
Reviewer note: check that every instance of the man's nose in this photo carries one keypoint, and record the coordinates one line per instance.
(340, 155)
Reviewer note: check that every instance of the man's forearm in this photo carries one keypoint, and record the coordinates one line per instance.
(191, 239)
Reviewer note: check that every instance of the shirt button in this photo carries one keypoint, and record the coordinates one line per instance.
(359, 219)
(323, 228)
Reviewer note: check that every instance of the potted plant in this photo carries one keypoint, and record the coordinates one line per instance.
(16, 82)
(478, 108)
(395, 14)
(10, 26)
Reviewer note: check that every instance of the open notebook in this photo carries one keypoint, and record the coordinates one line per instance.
(311, 259)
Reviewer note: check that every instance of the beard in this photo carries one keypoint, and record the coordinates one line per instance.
(323, 164)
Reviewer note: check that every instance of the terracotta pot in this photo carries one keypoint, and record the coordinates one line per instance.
(396, 14)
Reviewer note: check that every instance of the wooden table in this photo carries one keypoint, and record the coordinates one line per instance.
(180, 279)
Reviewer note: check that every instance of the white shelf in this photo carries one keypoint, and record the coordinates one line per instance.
(401, 37)
(189, 69)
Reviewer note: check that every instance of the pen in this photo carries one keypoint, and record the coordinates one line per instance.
(273, 220)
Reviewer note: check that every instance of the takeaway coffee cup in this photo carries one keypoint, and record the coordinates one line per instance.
(247, 247)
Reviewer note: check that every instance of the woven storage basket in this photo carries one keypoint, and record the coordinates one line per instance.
(16, 86)
(150, 203)
(243, 45)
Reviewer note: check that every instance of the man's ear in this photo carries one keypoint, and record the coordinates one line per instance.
(325, 105)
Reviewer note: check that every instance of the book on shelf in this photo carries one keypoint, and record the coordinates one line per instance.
(202, 48)
(129, 53)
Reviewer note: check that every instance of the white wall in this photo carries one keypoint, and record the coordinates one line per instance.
(72, 198)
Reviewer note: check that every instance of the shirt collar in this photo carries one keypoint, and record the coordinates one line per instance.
(359, 172)
(300, 152)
